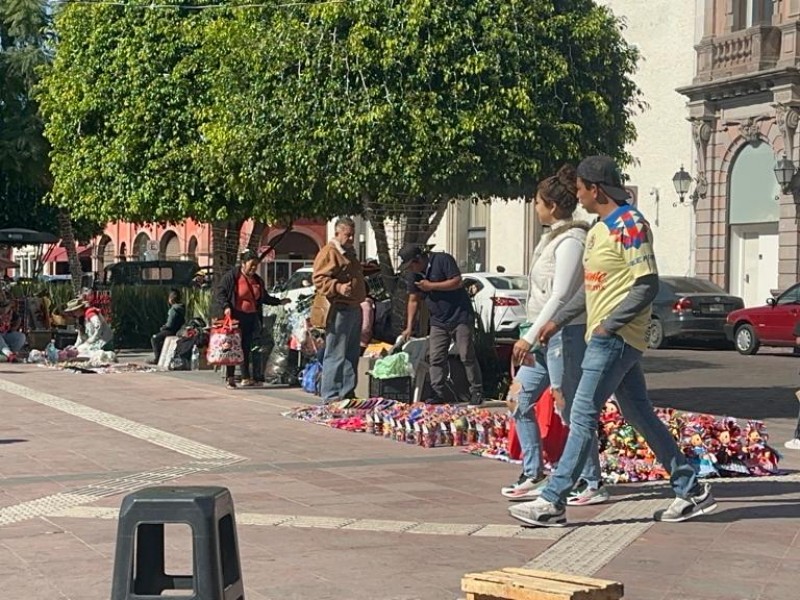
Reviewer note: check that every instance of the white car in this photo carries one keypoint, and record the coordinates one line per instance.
(499, 299)
(298, 285)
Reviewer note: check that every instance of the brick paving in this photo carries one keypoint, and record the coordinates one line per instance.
(330, 514)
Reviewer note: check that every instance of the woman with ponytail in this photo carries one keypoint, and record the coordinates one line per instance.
(556, 274)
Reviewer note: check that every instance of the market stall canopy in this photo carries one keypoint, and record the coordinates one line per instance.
(26, 237)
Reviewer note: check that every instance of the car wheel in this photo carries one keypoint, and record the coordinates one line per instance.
(746, 341)
(655, 334)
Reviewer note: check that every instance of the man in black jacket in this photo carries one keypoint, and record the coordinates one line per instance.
(176, 317)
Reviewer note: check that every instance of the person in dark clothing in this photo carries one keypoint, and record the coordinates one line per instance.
(176, 317)
(436, 278)
(241, 294)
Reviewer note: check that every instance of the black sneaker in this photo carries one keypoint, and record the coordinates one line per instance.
(435, 400)
(476, 399)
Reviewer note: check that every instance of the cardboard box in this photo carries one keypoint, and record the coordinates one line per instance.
(365, 365)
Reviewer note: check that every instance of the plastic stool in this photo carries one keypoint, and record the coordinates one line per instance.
(140, 555)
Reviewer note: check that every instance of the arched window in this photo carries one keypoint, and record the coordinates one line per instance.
(192, 250)
(170, 247)
(140, 246)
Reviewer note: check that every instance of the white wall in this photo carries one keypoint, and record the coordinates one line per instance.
(665, 32)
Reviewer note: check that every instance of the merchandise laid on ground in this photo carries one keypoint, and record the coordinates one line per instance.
(718, 446)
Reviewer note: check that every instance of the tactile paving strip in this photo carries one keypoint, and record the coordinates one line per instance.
(350, 524)
(139, 431)
(590, 546)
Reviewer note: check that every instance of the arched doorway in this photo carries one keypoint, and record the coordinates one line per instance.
(140, 246)
(192, 249)
(104, 255)
(295, 251)
(753, 215)
(170, 246)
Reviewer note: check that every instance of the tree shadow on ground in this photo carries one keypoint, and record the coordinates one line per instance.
(761, 403)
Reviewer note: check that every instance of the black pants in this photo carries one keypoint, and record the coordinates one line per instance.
(249, 325)
(439, 346)
(157, 341)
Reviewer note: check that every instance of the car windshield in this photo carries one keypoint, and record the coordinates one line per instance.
(296, 280)
(509, 283)
(690, 285)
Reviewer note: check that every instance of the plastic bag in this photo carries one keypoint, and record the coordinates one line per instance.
(394, 365)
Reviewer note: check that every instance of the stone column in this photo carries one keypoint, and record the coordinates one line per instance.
(787, 117)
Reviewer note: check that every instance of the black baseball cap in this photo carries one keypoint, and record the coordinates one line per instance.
(604, 173)
(410, 252)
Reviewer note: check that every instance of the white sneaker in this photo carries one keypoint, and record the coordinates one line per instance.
(528, 489)
(683, 509)
(539, 513)
(793, 444)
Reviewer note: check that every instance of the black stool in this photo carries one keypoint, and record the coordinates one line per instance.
(140, 560)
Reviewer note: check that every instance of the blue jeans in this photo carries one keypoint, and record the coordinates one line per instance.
(11, 341)
(564, 355)
(342, 349)
(612, 366)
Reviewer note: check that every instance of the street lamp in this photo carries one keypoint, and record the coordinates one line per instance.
(362, 247)
(682, 182)
(784, 173)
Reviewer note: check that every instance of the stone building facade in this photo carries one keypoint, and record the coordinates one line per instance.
(743, 107)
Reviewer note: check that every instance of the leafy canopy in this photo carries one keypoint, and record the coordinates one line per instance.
(313, 109)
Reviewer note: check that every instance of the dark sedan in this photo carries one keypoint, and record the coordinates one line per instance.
(688, 308)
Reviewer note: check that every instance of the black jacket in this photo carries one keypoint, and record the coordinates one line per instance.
(176, 317)
(225, 295)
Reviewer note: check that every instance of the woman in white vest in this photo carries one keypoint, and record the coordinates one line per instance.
(556, 275)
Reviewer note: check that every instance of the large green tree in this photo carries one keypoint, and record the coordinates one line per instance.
(138, 106)
(26, 45)
(404, 106)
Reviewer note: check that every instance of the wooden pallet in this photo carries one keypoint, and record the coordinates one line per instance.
(524, 584)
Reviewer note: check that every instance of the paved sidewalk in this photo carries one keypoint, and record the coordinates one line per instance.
(330, 514)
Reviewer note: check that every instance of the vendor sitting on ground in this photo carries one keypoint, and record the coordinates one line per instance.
(12, 340)
(94, 332)
(176, 317)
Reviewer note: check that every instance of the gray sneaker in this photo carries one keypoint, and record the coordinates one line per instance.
(525, 490)
(539, 513)
(583, 495)
(510, 488)
(683, 509)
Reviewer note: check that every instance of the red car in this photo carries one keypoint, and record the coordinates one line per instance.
(769, 325)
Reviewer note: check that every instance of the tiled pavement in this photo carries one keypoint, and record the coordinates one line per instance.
(329, 514)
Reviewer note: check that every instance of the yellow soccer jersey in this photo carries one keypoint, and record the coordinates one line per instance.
(619, 250)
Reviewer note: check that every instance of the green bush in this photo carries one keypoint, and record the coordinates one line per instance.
(137, 311)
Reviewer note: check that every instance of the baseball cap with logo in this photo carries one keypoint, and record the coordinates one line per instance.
(604, 173)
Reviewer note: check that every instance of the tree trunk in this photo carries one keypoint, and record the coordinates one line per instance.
(68, 241)
(225, 244)
(254, 241)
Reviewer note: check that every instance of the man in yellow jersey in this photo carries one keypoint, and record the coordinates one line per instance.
(621, 280)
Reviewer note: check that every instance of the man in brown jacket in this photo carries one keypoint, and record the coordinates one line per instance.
(339, 277)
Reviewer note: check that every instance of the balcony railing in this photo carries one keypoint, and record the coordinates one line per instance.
(747, 51)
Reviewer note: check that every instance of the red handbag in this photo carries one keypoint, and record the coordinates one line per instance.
(552, 429)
